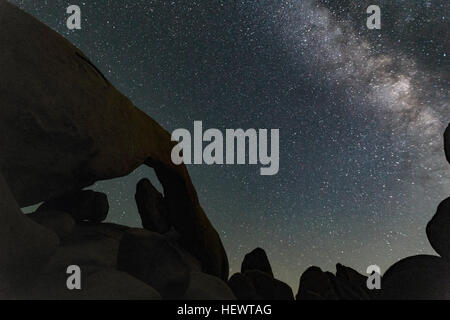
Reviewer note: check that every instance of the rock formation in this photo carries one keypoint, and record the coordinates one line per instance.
(447, 143)
(421, 277)
(347, 284)
(316, 285)
(256, 280)
(257, 260)
(155, 260)
(84, 205)
(242, 287)
(63, 127)
(438, 230)
(152, 207)
(25, 246)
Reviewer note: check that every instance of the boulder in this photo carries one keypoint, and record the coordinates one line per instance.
(60, 222)
(256, 260)
(447, 143)
(346, 291)
(96, 231)
(193, 264)
(242, 287)
(63, 126)
(154, 259)
(352, 283)
(347, 284)
(421, 277)
(206, 287)
(316, 285)
(438, 230)
(94, 245)
(95, 252)
(267, 287)
(96, 284)
(25, 246)
(84, 205)
(152, 207)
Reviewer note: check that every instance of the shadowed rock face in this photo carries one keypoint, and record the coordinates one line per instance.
(347, 284)
(63, 126)
(267, 287)
(316, 285)
(153, 259)
(256, 281)
(420, 277)
(447, 143)
(242, 287)
(438, 230)
(152, 207)
(25, 246)
(82, 205)
(257, 260)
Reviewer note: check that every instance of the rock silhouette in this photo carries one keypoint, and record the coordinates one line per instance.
(316, 285)
(203, 286)
(256, 260)
(155, 260)
(152, 207)
(422, 277)
(85, 205)
(347, 284)
(438, 230)
(77, 129)
(97, 283)
(242, 287)
(256, 280)
(60, 222)
(447, 143)
(25, 246)
(267, 287)
(356, 282)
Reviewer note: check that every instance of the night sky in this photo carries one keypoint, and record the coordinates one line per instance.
(361, 115)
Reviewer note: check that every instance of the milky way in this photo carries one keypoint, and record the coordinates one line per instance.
(361, 115)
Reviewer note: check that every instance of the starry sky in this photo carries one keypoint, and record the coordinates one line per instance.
(361, 115)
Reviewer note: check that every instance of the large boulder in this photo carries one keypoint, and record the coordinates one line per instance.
(154, 259)
(63, 126)
(242, 287)
(101, 251)
(82, 205)
(267, 287)
(96, 284)
(206, 287)
(60, 222)
(316, 285)
(347, 284)
(25, 246)
(438, 230)
(421, 277)
(152, 207)
(257, 260)
(447, 143)
(353, 283)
